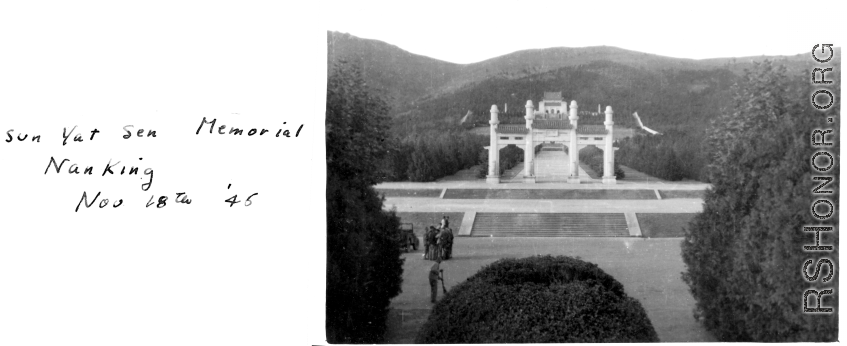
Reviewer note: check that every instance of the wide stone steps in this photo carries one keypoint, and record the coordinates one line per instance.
(552, 147)
(549, 225)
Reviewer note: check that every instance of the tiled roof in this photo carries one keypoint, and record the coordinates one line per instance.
(591, 120)
(547, 124)
(591, 130)
(511, 129)
(553, 95)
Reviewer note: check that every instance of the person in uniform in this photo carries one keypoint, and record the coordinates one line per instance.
(444, 242)
(426, 242)
(434, 247)
(434, 276)
(448, 243)
(436, 239)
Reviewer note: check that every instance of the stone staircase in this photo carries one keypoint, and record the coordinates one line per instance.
(550, 225)
(552, 147)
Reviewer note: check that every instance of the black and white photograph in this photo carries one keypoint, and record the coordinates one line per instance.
(259, 173)
(575, 172)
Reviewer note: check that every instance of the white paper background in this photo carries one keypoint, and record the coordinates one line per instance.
(198, 274)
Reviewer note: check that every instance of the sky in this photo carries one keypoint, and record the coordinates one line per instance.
(467, 32)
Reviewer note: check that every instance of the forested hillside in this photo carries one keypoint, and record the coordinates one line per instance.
(399, 77)
(405, 79)
(678, 103)
(665, 99)
(428, 98)
(681, 152)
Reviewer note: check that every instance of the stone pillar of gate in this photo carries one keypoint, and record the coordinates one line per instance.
(609, 152)
(493, 149)
(529, 152)
(573, 151)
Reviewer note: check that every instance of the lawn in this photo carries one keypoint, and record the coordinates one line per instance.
(655, 225)
(666, 194)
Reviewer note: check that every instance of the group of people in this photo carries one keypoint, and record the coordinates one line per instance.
(438, 242)
(438, 246)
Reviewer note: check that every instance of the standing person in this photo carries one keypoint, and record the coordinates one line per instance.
(432, 238)
(445, 222)
(444, 242)
(448, 246)
(434, 276)
(438, 253)
(426, 242)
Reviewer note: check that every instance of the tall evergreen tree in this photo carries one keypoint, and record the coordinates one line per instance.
(744, 252)
(364, 268)
(420, 168)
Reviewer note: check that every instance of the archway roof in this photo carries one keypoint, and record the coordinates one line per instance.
(509, 128)
(552, 124)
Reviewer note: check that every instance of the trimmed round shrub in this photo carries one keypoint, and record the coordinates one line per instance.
(538, 300)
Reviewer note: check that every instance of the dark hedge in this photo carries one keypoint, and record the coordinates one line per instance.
(510, 156)
(744, 253)
(364, 269)
(593, 157)
(538, 300)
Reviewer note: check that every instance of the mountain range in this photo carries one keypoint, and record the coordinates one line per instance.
(667, 92)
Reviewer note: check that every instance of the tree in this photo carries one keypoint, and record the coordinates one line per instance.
(661, 155)
(364, 268)
(397, 162)
(482, 171)
(744, 252)
(420, 165)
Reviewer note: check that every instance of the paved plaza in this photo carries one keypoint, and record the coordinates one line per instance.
(649, 269)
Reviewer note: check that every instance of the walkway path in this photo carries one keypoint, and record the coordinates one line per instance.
(649, 270)
(554, 166)
(513, 175)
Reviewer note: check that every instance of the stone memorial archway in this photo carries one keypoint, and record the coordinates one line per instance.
(543, 126)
